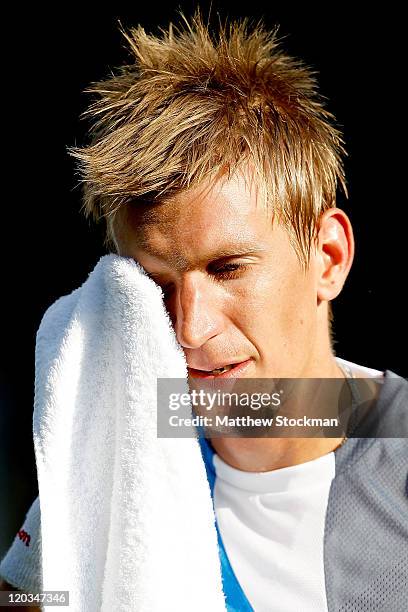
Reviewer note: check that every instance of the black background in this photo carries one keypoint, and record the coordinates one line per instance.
(48, 248)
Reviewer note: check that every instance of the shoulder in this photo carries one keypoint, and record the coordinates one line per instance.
(392, 407)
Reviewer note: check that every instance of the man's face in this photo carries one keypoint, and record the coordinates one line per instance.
(234, 288)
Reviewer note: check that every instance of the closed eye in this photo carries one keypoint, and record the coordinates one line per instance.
(229, 270)
(226, 271)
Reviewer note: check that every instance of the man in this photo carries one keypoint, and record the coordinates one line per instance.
(215, 165)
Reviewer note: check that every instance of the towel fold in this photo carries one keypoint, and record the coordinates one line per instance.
(127, 521)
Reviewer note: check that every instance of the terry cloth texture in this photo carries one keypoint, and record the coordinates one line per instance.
(126, 518)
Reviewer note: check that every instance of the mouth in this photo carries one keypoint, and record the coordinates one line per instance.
(232, 370)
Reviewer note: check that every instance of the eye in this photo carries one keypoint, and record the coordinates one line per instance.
(229, 270)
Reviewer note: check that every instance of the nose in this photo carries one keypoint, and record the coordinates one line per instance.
(196, 312)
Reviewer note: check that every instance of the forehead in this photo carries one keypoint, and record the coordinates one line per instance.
(225, 216)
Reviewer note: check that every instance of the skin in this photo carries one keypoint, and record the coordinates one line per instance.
(269, 310)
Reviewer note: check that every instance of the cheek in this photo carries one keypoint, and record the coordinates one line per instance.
(277, 310)
(297, 311)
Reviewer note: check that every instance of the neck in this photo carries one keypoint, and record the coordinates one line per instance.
(266, 454)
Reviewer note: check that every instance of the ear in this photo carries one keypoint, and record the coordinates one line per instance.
(335, 253)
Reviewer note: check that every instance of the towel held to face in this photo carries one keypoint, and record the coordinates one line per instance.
(127, 521)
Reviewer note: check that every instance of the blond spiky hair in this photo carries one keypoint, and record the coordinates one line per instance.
(192, 103)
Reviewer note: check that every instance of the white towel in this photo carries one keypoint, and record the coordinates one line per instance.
(126, 518)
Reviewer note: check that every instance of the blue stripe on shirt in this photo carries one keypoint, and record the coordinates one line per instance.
(236, 600)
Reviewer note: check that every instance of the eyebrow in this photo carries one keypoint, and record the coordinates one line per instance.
(224, 252)
(237, 250)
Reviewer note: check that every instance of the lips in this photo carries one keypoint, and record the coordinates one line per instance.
(237, 370)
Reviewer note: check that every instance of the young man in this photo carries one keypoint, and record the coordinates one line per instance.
(215, 165)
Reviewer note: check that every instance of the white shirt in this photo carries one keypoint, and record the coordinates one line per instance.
(272, 526)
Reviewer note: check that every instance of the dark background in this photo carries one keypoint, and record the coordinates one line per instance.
(49, 249)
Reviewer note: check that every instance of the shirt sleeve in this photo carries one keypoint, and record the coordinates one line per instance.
(21, 566)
